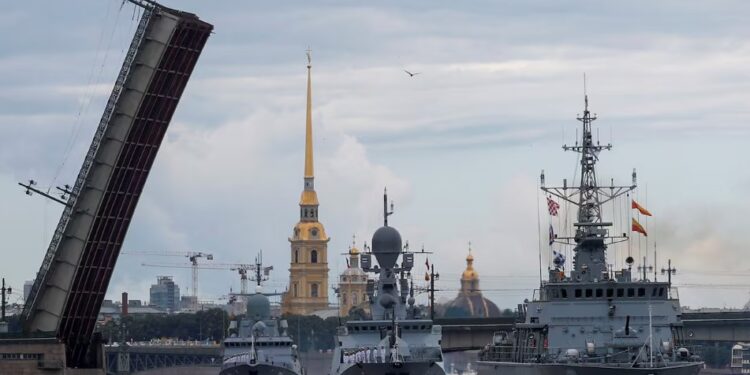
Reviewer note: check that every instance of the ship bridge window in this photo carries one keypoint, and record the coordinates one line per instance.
(599, 292)
(555, 293)
(661, 292)
(589, 293)
(578, 293)
(653, 292)
(564, 293)
(641, 292)
(610, 293)
(620, 292)
(631, 292)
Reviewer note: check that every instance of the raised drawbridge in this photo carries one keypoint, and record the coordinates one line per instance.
(73, 279)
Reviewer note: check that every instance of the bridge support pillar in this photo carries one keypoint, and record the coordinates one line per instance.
(123, 362)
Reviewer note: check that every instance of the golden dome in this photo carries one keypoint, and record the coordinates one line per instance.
(354, 251)
(309, 230)
(469, 273)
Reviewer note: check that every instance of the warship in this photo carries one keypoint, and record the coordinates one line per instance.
(259, 344)
(396, 339)
(593, 319)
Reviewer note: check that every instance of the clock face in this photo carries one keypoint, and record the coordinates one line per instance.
(314, 232)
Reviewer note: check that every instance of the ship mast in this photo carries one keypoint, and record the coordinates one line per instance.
(591, 235)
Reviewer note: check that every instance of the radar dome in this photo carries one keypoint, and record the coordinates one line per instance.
(386, 245)
(258, 307)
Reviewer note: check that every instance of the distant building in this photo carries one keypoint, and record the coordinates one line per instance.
(27, 289)
(189, 303)
(352, 290)
(165, 294)
(470, 302)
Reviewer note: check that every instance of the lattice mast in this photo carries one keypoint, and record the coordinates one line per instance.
(591, 235)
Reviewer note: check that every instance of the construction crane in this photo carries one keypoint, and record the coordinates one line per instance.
(192, 256)
(256, 272)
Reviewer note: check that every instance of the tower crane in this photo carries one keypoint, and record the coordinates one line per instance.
(192, 256)
(248, 272)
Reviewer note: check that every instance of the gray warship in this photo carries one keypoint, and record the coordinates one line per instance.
(396, 339)
(260, 344)
(593, 319)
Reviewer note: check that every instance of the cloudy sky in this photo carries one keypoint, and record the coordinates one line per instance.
(459, 146)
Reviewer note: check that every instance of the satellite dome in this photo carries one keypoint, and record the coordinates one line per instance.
(258, 307)
(386, 245)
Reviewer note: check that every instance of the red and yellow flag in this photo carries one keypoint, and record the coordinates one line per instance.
(640, 208)
(637, 227)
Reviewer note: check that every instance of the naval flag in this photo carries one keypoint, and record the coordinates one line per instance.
(552, 235)
(552, 206)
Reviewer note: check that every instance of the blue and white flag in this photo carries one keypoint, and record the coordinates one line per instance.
(559, 259)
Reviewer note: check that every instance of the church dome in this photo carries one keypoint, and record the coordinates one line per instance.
(469, 273)
(471, 306)
(470, 302)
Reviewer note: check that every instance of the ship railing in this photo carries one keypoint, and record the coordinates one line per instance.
(501, 353)
(246, 358)
(425, 353)
(415, 354)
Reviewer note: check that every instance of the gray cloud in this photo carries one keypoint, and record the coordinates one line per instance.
(459, 146)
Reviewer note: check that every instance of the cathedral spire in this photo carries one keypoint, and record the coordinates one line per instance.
(309, 197)
(308, 122)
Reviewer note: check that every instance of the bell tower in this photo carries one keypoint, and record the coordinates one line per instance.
(308, 270)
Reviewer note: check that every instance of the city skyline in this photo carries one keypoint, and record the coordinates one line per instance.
(459, 146)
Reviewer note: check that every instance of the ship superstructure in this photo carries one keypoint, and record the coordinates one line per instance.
(260, 344)
(397, 339)
(593, 320)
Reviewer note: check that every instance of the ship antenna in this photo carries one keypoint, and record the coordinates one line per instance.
(386, 213)
(585, 94)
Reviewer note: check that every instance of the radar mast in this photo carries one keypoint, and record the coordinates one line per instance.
(591, 235)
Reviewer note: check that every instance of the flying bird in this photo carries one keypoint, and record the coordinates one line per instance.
(410, 73)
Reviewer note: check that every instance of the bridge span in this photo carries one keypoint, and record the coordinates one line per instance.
(705, 328)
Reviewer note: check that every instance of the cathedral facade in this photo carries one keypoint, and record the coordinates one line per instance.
(352, 288)
(308, 271)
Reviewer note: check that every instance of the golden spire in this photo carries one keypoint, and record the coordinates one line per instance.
(308, 122)
(309, 197)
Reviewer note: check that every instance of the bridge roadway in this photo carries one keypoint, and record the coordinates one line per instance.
(458, 335)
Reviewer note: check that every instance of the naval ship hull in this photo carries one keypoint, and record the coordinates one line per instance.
(408, 368)
(510, 368)
(257, 369)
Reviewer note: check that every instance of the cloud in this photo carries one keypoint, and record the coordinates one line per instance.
(457, 145)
